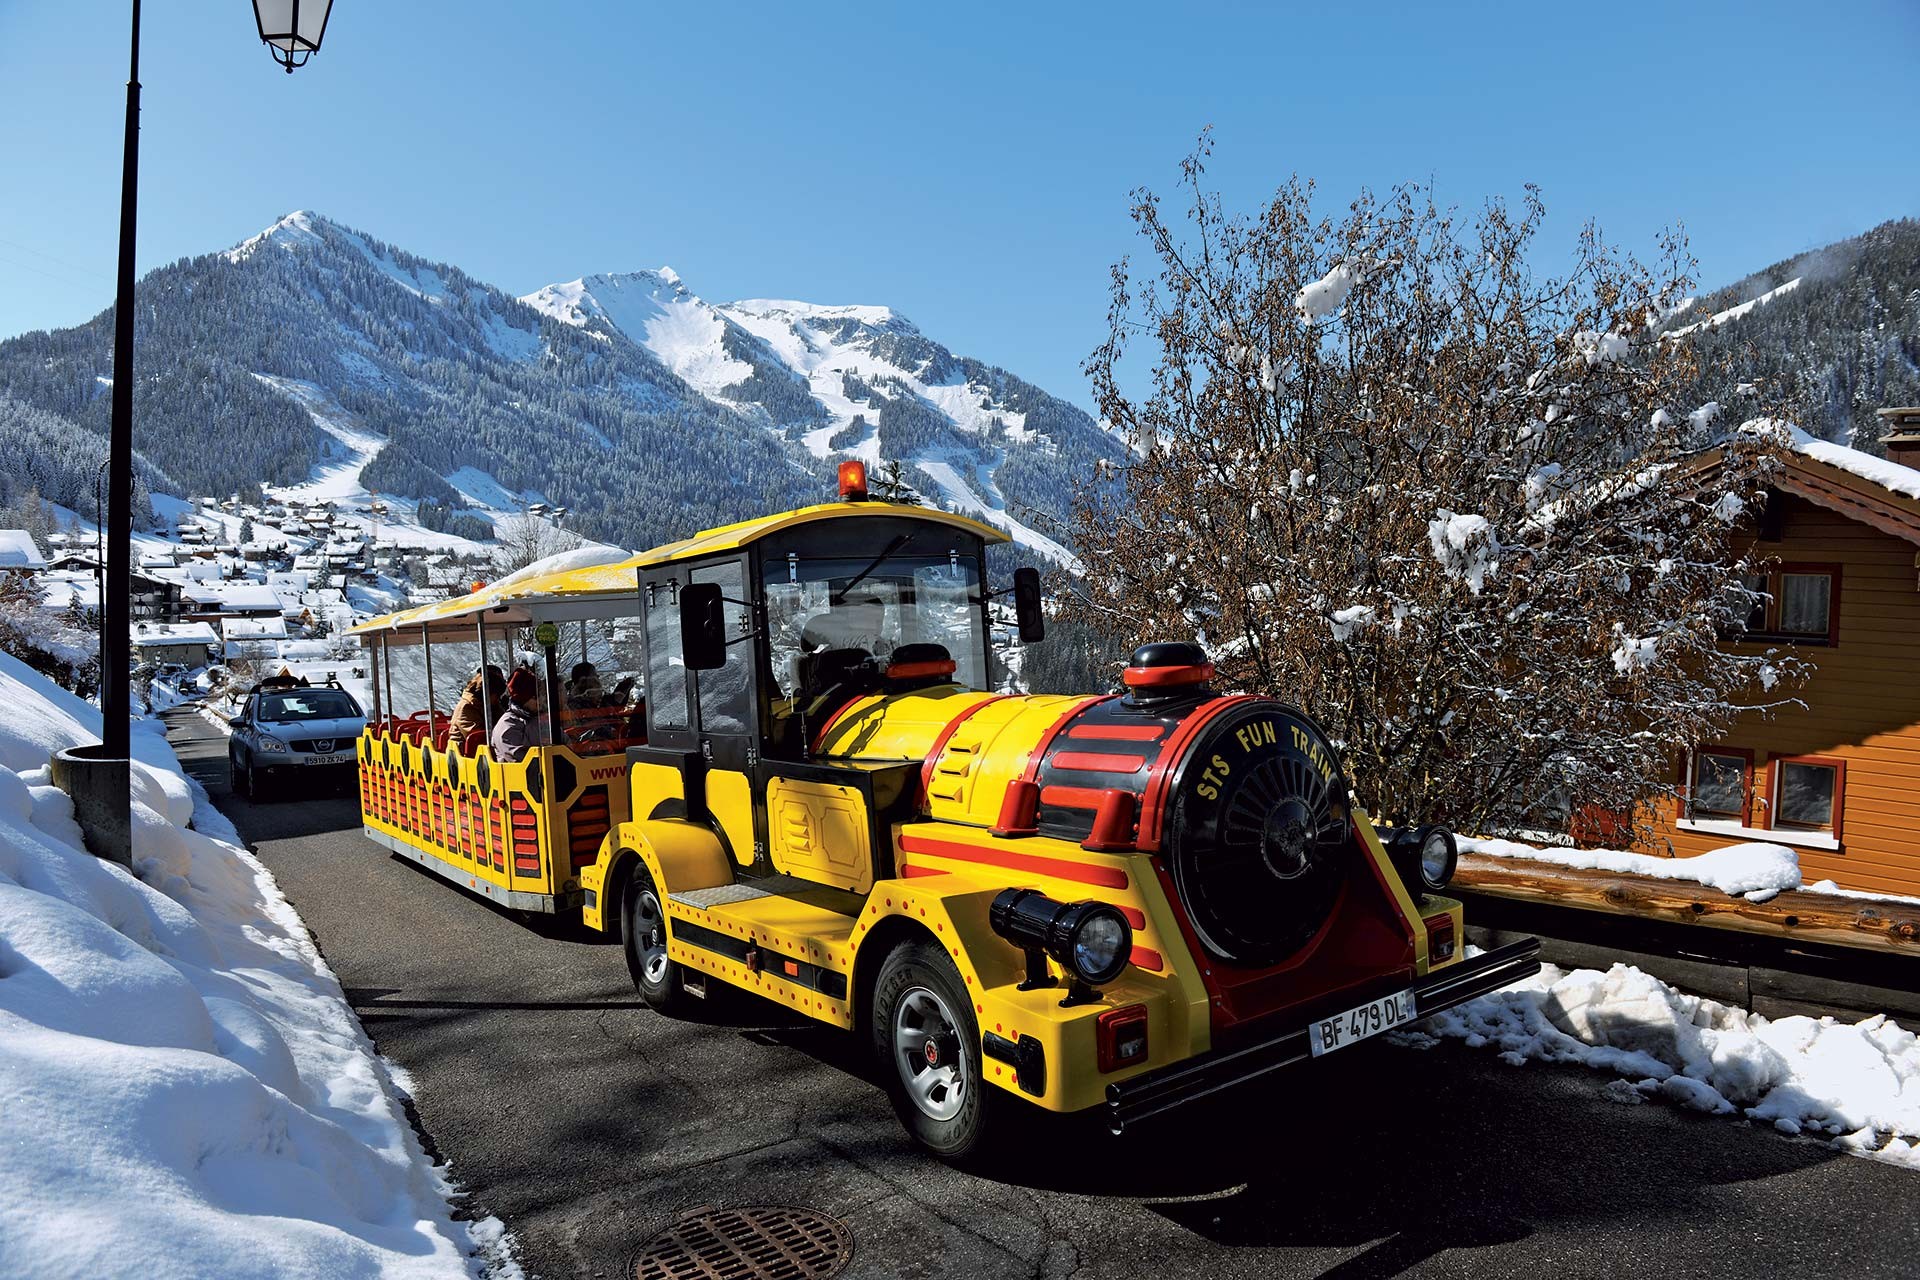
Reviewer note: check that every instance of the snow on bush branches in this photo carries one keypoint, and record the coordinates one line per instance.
(1453, 510)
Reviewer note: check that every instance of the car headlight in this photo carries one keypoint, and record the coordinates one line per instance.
(1091, 940)
(270, 743)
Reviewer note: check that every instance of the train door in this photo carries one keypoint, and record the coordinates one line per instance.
(701, 722)
(726, 711)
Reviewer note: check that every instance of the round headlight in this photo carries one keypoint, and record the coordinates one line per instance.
(1439, 855)
(1091, 940)
(1102, 943)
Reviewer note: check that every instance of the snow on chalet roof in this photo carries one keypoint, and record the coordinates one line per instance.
(18, 550)
(1891, 476)
(235, 597)
(168, 633)
(253, 628)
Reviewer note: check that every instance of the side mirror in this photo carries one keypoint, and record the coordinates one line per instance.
(703, 627)
(1026, 605)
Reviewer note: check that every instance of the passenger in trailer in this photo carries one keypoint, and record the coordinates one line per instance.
(518, 729)
(593, 718)
(471, 727)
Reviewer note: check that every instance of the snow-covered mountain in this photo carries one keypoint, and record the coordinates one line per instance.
(855, 382)
(315, 360)
(1834, 333)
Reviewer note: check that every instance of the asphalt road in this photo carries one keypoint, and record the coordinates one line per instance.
(587, 1122)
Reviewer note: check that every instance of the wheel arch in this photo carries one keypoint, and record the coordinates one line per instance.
(888, 934)
(613, 908)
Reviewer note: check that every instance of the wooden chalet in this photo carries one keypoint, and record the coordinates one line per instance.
(1837, 780)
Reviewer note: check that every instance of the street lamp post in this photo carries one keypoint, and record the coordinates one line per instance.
(96, 777)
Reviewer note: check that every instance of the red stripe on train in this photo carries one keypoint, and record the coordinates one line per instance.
(1058, 868)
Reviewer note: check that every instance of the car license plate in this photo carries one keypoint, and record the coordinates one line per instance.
(328, 759)
(1354, 1025)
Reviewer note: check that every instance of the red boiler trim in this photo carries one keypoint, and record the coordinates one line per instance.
(1161, 677)
(1098, 762)
(1118, 732)
(916, 670)
(834, 719)
(1153, 801)
(1073, 797)
(940, 744)
(1058, 868)
(1039, 753)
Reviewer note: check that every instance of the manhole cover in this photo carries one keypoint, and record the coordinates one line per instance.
(771, 1243)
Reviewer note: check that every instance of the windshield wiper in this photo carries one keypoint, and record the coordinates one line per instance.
(840, 596)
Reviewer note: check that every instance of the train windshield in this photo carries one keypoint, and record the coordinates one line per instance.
(872, 606)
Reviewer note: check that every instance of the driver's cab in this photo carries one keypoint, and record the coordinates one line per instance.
(756, 641)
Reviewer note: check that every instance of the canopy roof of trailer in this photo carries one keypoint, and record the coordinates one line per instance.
(608, 582)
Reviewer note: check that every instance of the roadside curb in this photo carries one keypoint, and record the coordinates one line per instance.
(1775, 978)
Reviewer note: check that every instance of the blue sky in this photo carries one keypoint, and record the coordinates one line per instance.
(968, 165)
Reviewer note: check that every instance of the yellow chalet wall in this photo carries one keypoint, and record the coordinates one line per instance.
(1862, 700)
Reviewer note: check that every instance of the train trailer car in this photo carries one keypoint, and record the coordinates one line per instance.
(1126, 901)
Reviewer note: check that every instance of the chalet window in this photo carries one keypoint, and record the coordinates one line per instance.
(1800, 604)
(1806, 601)
(1808, 793)
(1722, 778)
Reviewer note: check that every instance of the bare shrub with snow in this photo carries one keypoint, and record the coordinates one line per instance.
(1383, 470)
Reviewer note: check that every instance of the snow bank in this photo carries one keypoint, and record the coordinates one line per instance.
(1753, 871)
(184, 1090)
(1857, 1083)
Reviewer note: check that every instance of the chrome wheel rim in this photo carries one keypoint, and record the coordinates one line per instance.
(929, 1053)
(650, 935)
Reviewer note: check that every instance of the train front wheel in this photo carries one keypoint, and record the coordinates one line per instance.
(655, 976)
(928, 1044)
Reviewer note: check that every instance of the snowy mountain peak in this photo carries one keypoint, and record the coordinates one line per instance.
(294, 231)
(785, 308)
(579, 302)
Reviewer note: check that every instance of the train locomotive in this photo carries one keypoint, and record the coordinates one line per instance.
(1122, 901)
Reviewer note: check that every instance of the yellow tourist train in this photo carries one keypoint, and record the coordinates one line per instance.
(772, 755)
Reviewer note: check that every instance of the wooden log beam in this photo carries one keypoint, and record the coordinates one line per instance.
(1795, 914)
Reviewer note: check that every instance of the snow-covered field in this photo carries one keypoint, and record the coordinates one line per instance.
(184, 1090)
(1856, 1084)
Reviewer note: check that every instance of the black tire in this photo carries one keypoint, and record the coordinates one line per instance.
(643, 929)
(256, 786)
(911, 974)
(239, 780)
